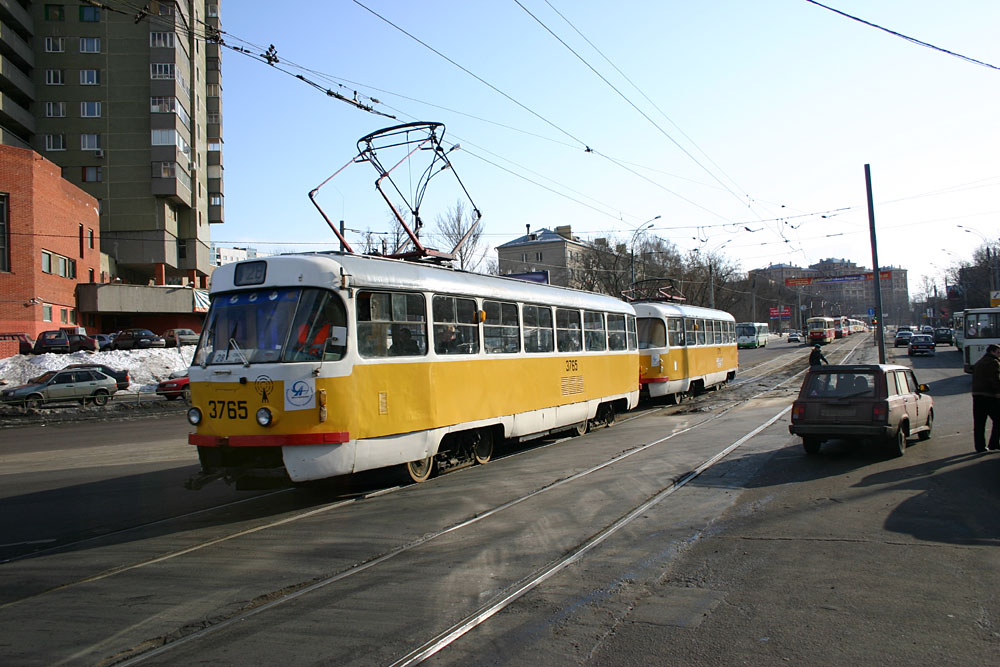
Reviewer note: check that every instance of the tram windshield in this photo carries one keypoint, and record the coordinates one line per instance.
(270, 325)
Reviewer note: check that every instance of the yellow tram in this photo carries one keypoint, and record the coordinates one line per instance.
(317, 365)
(684, 349)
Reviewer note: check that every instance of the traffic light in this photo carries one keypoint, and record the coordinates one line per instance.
(874, 321)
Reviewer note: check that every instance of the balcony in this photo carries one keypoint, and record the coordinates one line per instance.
(110, 298)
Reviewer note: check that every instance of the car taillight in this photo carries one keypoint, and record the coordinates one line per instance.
(880, 412)
(798, 411)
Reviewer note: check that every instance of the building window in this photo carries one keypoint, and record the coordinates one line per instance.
(55, 13)
(164, 137)
(214, 145)
(47, 312)
(91, 236)
(161, 70)
(55, 142)
(213, 90)
(90, 142)
(54, 77)
(4, 235)
(538, 256)
(163, 40)
(55, 45)
(524, 257)
(90, 109)
(181, 249)
(90, 275)
(55, 109)
(215, 200)
(72, 315)
(164, 169)
(90, 45)
(212, 11)
(162, 104)
(93, 174)
(90, 77)
(213, 117)
(90, 14)
(166, 9)
(63, 316)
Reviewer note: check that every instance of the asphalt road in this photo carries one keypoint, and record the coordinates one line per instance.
(574, 551)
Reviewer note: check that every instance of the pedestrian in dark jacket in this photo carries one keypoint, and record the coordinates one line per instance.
(816, 357)
(986, 398)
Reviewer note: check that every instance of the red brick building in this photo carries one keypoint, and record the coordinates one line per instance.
(49, 243)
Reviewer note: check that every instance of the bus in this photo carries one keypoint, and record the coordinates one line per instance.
(751, 334)
(980, 328)
(683, 349)
(958, 327)
(821, 330)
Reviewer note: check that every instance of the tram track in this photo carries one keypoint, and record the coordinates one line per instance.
(519, 588)
(275, 599)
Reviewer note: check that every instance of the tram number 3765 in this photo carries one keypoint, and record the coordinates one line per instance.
(227, 409)
(572, 365)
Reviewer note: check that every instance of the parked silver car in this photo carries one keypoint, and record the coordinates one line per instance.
(178, 337)
(83, 385)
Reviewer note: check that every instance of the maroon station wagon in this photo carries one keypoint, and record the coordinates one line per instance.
(879, 402)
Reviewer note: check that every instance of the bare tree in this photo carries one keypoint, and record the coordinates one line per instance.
(455, 225)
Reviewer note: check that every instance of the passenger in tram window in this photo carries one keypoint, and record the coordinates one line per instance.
(403, 343)
(445, 339)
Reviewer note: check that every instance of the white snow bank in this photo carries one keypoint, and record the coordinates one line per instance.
(146, 368)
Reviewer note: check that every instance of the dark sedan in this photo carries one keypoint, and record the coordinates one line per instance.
(137, 339)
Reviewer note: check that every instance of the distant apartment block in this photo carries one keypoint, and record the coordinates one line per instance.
(127, 99)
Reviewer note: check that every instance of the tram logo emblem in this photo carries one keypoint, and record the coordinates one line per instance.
(264, 386)
(299, 395)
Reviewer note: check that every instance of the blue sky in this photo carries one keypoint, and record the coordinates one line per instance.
(763, 115)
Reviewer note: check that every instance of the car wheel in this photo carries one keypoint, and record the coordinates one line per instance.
(926, 435)
(187, 394)
(897, 443)
(100, 397)
(32, 402)
(811, 445)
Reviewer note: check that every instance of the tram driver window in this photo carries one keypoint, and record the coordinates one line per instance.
(456, 325)
(652, 333)
(391, 323)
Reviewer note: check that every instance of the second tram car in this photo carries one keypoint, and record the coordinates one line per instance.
(821, 330)
(318, 365)
(684, 349)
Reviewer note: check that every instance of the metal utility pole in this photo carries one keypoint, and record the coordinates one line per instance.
(880, 328)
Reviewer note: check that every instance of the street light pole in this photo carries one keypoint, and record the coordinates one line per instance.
(643, 227)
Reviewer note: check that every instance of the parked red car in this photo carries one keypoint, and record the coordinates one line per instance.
(174, 388)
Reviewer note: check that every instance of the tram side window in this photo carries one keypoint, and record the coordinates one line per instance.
(391, 324)
(652, 333)
(500, 332)
(616, 332)
(731, 330)
(717, 331)
(594, 336)
(456, 325)
(633, 339)
(675, 331)
(568, 330)
(690, 331)
(538, 329)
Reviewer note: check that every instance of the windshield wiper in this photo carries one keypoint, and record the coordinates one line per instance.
(234, 346)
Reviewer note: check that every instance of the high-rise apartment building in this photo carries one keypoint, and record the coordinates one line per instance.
(127, 99)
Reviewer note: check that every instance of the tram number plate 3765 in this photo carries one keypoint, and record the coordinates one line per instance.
(227, 410)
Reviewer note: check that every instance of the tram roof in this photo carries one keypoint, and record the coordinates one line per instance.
(666, 308)
(364, 271)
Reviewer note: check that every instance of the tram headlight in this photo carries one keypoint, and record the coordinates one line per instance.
(264, 417)
(194, 416)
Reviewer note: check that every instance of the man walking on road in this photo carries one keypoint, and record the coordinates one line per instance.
(816, 357)
(986, 398)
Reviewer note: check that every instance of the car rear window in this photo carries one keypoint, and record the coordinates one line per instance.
(841, 385)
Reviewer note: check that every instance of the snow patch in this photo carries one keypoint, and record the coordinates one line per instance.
(146, 368)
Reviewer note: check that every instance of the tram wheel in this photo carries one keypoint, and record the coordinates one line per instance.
(421, 470)
(483, 446)
(581, 428)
